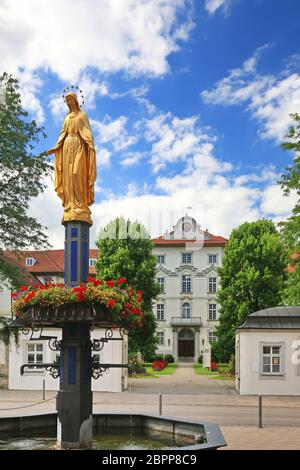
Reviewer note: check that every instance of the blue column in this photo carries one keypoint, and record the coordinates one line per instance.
(76, 252)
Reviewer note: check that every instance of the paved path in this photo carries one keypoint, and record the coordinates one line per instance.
(184, 380)
(187, 395)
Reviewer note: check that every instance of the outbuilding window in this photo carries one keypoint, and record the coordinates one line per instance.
(271, 359)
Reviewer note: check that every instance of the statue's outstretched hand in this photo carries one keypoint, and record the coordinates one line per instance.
(49, 152)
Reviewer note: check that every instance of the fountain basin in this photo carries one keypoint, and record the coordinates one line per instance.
(138, 431)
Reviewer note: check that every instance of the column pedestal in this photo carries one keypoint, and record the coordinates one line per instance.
(75, 398)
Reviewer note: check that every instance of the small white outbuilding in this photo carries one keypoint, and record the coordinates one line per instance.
(268, 353)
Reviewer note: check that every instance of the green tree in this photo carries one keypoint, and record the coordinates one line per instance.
(251, 277)
(290, 229)
(125, 250)
(21, 178)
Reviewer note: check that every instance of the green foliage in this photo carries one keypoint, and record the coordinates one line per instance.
(125, 249)
(252, 278)
(169, 358)
(290, 229)
(21, 179)
(135, 366)
(6, 331)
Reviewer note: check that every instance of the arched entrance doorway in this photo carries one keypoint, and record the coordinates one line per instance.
(186, 344)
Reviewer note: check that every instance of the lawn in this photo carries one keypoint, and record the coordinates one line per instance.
(151, 374)
(217, 375)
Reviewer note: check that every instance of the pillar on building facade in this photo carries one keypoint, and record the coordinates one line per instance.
(197, 343)
(175, 344)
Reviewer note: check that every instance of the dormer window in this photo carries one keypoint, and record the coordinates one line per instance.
(92, 262)
(160, 259)
(30, 261)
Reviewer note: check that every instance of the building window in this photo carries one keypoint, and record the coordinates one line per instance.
(30, 261)
(212, 311)
(161, 283)
(186, 284)
(186, 310)
(161, 338)
(160, 259)
(160, 312)
(35, 354)
(186, 258)
(92, 262)
(212, 259)
(212, 337)
(271, 359)
(212, 285)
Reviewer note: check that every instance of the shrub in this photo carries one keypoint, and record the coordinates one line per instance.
(135, 366)
(214, 365)
(159, 365)
(200, 360)
(169, 358)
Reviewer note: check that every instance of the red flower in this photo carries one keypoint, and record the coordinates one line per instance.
(135, 311)
(97, 283)
(122, 280)
(139, 292)
(23, 288)
(36, 286)
(14, 295)
(91, 279)
(111, 303)
(80, 296)
(29, 296)
(110, 283)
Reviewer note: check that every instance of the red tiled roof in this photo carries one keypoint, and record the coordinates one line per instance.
(47, 262)
(214, 240)
(292, 269)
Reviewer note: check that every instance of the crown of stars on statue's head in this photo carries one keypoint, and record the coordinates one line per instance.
(73, 89)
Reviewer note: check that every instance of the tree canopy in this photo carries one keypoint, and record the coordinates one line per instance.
(252, 277)
(125, 250)
(21, 178)
(290, 229)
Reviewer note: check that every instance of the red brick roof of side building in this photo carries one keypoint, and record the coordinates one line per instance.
(47, 262)
(290, 268)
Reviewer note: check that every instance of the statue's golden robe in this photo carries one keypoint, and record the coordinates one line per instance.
(75, 167)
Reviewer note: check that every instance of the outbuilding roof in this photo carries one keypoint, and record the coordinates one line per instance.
(273, 318)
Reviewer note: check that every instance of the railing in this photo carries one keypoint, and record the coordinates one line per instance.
(186, 321)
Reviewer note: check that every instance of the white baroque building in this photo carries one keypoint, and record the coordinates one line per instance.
(186, 308)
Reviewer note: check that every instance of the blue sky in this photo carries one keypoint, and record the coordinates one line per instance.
(188, 102)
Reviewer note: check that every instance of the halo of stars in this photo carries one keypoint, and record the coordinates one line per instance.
(73, 88)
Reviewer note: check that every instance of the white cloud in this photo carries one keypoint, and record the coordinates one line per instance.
(173, 139)
(112, 132)
(30, 84)
(111, 35)
(269, 99)
(132, 158)
(103, 157)
(274, 204)
(220, 200)
(213, 5)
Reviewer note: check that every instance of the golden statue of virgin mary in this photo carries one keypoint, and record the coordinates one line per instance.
(75, 164)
